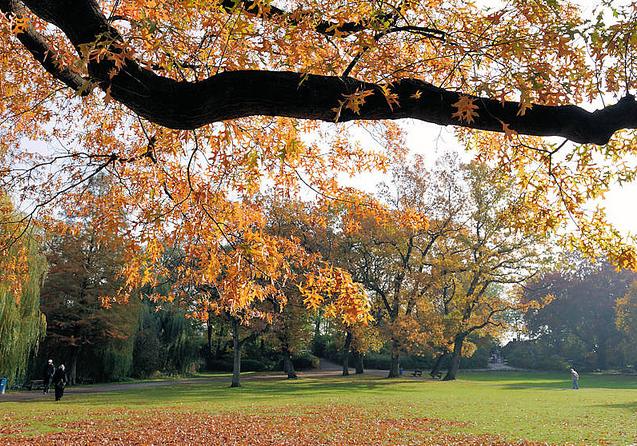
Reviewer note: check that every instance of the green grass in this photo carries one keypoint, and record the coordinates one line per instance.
(531, 406)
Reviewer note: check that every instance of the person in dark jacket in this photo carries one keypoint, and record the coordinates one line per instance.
(48, 376)
(59, 381)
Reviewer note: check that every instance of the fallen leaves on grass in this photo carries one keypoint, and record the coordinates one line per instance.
(320, 427)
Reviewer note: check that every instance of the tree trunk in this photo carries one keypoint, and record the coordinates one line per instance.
(317, 325)
(358, 362)
(436, 368)
(346, 347)
(236, 347)
(209, 326)
(288, 365)
(72, 370)
(394, 369)
(455, 359)
(220, 336)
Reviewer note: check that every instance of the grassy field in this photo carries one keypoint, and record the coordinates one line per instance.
(503, 406)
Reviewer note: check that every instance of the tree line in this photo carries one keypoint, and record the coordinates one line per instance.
(432, 254)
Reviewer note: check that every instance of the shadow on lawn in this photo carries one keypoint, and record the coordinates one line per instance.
(586, 382)
(631, 407)
(251, 391)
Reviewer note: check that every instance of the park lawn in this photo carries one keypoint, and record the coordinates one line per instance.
(508, 405)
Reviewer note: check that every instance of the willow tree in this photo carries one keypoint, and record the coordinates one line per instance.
(22, 325)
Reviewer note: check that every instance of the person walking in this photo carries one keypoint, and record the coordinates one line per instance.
(575, 377)
(48, 376)
(59, 381)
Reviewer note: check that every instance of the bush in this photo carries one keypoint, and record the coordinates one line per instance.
(219, 365)
(251, 365)
(305, 361)
(225, 365)
(383, 362)
(532, 355)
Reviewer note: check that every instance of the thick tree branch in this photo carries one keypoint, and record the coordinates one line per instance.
(236, 94)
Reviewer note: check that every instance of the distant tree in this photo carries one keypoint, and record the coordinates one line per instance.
(365, 339)
(180, 338)
(483, 257)
(626, 310)
(291, 331)
(77, 297)
(389, 244)
(579, 324)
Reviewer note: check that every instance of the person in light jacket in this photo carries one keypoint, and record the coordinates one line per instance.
(575, 377)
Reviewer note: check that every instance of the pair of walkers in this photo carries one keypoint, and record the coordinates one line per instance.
(55, 376)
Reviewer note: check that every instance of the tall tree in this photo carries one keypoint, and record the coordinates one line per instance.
(626, 308)
(486, 254)
(84, 275)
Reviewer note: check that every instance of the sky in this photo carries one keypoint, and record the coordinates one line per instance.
(431, 140)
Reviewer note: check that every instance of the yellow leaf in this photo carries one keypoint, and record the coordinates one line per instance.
(465, 109)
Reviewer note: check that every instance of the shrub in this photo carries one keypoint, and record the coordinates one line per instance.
(251, 365)
(305, 361)
(219, 365)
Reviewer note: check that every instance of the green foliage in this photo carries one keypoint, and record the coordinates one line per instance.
(147, 352)
(22, 325)
(305, 361)
(320, 345)
(166, 342)
(533, 355)
(579, 326)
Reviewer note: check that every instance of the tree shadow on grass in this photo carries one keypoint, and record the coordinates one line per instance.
(565, 384)
(550, 380)
(251, 391)
(631, 407)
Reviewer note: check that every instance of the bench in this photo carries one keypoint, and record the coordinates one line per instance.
(416, 372)
(34, 384)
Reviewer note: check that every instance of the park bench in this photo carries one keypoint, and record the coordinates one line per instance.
(34, 384)
(416, 372)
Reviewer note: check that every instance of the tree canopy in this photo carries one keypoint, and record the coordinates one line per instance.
(193, 106)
